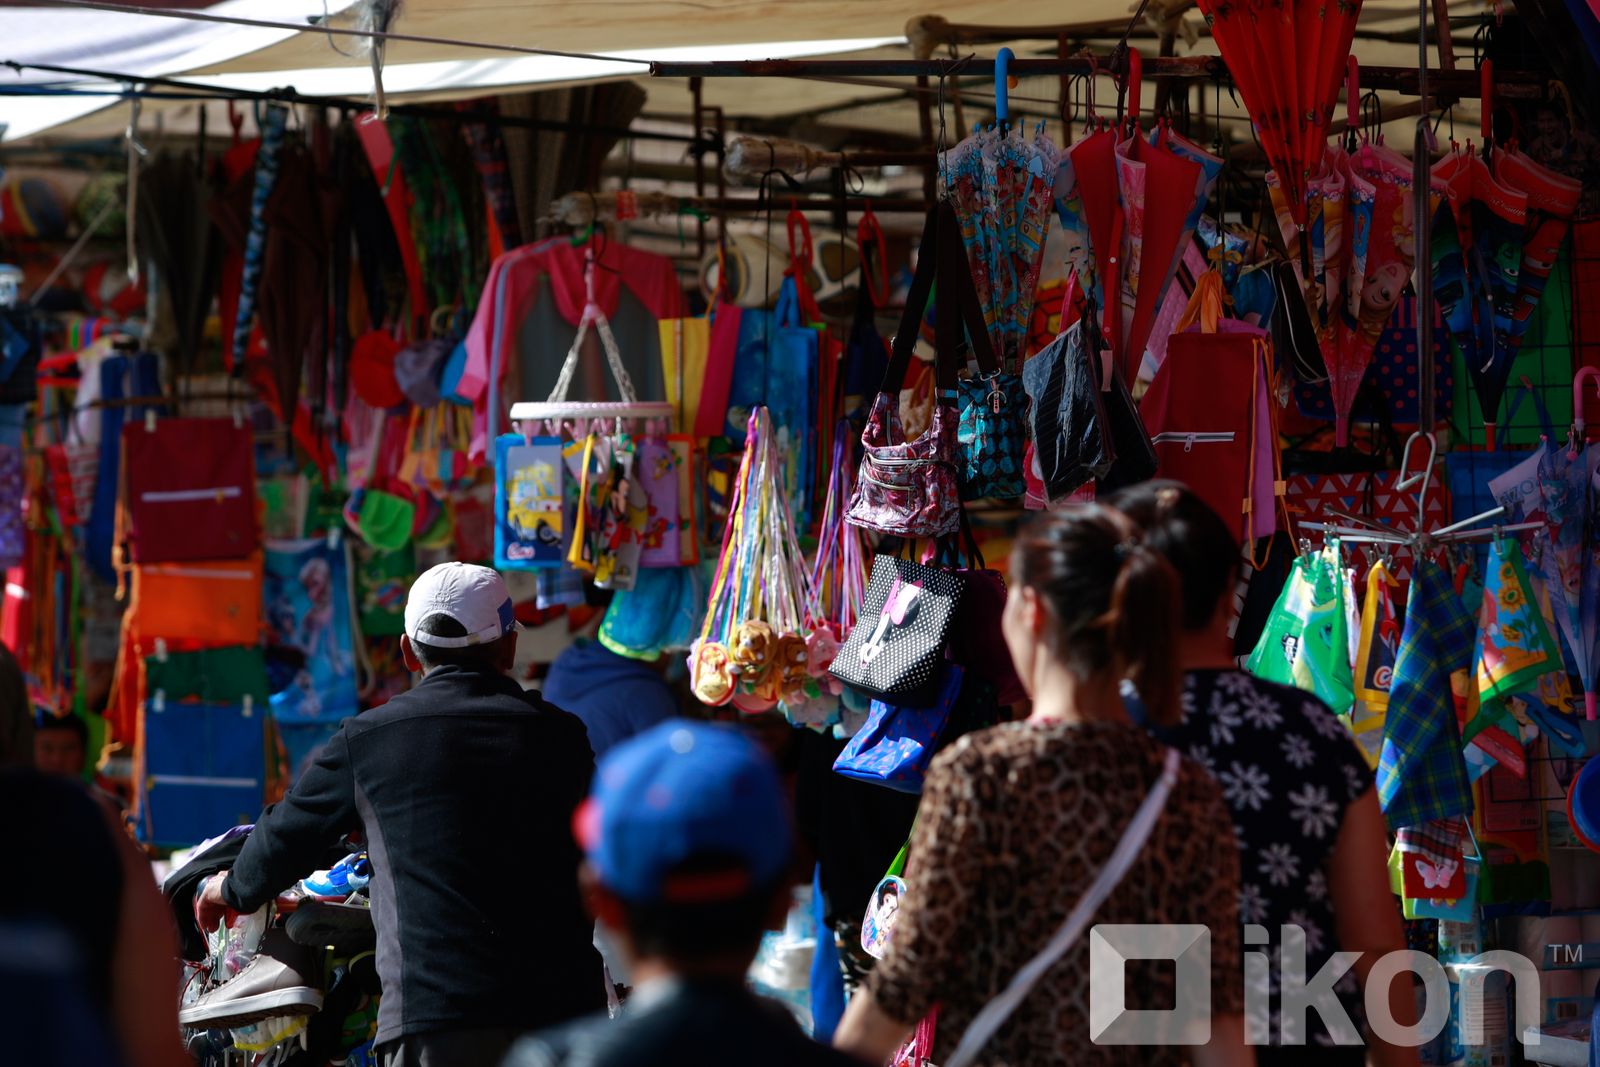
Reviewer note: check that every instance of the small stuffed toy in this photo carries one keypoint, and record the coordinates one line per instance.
(754, 643)
(711, 673)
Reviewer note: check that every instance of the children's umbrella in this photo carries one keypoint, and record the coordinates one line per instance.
(1571, 563)
(1161, 189)
(1002, 185)
(1478, 236)
(1135, 202)
(1086, 203)
(1358, 238)
(1552, 202)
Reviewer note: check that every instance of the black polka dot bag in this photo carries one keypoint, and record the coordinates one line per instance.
(896, 652)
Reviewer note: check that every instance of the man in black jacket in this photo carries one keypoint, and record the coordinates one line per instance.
(465, 788)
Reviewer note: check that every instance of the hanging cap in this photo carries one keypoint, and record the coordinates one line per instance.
(475, 597)
(686, 813)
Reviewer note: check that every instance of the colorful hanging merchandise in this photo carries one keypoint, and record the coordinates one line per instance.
(910, 488)
(1002, 188)
(1571, 563)
(659, 615)
(612, 520)
(1377, 643)
(1287, 61)
(1210, 416)
(1130, 206)
(1478, 233)
(1422, 775)
(274, 123)
(529, 502)
(312, 663)
(751, 650)
(1354, 232)
(1306, 642)
(1071, 442)
(833, 604)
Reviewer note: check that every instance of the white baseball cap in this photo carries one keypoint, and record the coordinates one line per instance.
(475, 597)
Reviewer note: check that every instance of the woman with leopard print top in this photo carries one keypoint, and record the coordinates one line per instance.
(1017, 821)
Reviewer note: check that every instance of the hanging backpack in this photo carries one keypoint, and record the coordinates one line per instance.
(1209, 414)
(190, 490)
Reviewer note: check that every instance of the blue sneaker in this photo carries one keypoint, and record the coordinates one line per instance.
(347, 876)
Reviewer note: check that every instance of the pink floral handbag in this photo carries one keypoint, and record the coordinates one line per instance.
(912, 488)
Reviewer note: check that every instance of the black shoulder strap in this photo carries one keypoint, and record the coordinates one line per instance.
(905, 338)
(941, 256)
(958, 299)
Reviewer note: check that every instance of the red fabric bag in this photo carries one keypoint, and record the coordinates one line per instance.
(1203, 414)
(189, 490)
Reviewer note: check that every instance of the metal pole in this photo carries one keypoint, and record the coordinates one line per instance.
(1421, 174)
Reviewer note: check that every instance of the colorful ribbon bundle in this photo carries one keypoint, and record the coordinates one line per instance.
(758, 656)
(838, 587)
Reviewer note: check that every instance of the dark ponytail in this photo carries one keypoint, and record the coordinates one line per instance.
(1115, 601)
(1144, 630)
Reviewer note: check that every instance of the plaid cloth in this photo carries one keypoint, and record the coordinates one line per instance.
(1440, 840)
(1421, 772)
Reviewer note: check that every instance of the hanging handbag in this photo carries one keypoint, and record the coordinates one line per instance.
(190, 489)
(910, 488)
(976, 639)
(1071, 445)
(899, 740)
(995, 1013)
(1133, 456)
(992, 404)
(897, 650)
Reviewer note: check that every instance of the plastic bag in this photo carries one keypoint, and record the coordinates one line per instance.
(1306, 642)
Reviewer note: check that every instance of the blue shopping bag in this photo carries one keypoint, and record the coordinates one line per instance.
(896, 745)
(776, 365)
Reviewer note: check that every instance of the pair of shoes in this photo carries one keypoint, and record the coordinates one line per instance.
(277, 982)
(347, 876)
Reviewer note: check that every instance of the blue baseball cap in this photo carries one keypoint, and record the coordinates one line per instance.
(680, 792)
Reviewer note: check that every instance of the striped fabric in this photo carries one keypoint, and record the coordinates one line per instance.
(274, 121)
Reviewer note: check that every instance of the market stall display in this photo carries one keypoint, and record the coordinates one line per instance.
(351, 345)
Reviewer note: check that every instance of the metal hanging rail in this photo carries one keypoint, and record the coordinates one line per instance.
(1459, 83)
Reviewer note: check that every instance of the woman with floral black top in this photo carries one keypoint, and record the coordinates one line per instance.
(1313, 844)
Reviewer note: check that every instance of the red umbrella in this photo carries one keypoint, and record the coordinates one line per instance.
(1094, 165)
(1158, 189)
(1286, 57)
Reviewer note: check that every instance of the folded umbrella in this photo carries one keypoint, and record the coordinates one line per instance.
(1158, 188)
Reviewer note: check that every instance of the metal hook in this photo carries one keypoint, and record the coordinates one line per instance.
(1425, 476)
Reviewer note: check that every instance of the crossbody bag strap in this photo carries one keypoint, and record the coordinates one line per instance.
(959, 308)
(998, 1010)
(905, 338)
